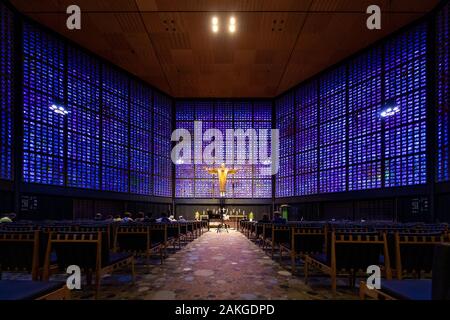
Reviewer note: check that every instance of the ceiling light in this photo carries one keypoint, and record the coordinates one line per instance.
(232, 20)
(215, 21)
(232, 28)
(215, 28)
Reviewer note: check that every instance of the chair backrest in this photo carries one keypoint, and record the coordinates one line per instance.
(281, 234)
(83, 249)
(105, 229)
(414, 251)
(309, 240)
(441, 272)
(173, 230)
(132, 238)
(158, 233)
(357, 251)
(19, 251)
(267, 230)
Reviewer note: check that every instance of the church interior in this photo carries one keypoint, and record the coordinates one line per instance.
(224, 150)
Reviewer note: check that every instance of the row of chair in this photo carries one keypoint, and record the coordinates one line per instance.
(44, 250)
(345, 250)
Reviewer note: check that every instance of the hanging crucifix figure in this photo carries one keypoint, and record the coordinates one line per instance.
(223, 173)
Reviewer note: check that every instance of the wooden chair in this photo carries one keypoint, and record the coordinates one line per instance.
(136, 239)
(174, 234)
(265, 234)
(20, 252)
(280, 236)
(33, 290)
(86, 250)
(158, 237)
(305, 240)
(350, 253)
(414, 252)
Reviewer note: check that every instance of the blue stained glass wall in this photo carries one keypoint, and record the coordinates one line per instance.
(443, 93)
(162, 145)
(6, 91)
(43, 80)
(83, 93)
(107, 140)
(363, 117)
(251, 181)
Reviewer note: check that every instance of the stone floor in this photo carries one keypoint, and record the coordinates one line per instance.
(217, 266)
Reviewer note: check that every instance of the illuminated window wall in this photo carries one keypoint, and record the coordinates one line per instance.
(6, 92)
(250, 181)
(362, 125)
(443, 93)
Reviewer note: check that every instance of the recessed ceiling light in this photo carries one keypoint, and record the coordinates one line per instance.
(215, 28)
(215, 21)
(232, 28)
(233, 20)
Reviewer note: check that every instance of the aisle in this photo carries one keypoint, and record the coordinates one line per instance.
(215, 266)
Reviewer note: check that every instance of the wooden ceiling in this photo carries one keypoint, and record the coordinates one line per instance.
(278, 43)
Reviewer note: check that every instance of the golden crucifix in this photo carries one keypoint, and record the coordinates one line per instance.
(222, 172)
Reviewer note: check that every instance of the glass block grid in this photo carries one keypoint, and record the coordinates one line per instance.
(192, 180)
(6, 90)
(443, 94)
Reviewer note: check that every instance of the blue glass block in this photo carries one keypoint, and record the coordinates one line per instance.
(262, 111)
(223, 110)
(333, 82)
(286, 126)
(141, 183)
(162, 105)
(115, 131)
(201, 173)
(7, 42)
(186, 125)
(364, 149)
(284, 187)
(405, 171)
(115, 179)
(306, 184)
(243, 111)
(115, 83)
(406, 78)
(307, 117)
(284, 106)
(83, 67)
(333, 106)
(332, 132)
(364, 67)
(42, 138)
(306, 140)
(365, 95)
(162, 186)
(42, 46)
(287, 145)
(162, 126)
(286, 166)
(184, 188)
(115, 106)
(83, 94)
(332, 156)
(442, 94)
(365, 176)
(83, 175)
(262, 188)
(243, 172)
(185, 111)
(407, 46)
(185, 171)
(242, 188)
(115, 156)
(44, 78)
(406, 140)
(162, 166)
(333, 180)
(306, 96)
(43, 169)
(141, 139)
(363, 122)
(204, 188)
(141, 161)
(162, 146)
(307, 162)
(83, 148)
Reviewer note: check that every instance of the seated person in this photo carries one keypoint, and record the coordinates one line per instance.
(140, 217)
(172, 218)
(265, 219)
(8, 218)
(277, 218)
(127, 217)
(163, 218)
(109, 218)
(117, 218)
(181, 219)
(98, 217)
